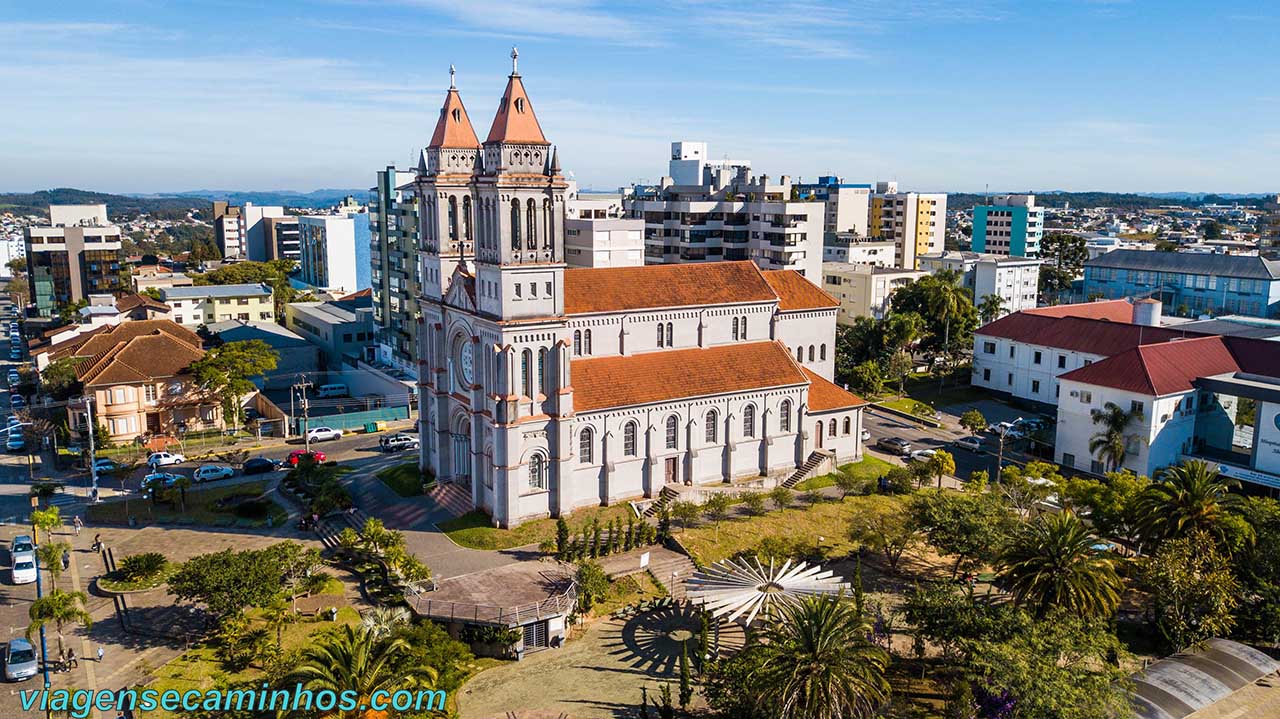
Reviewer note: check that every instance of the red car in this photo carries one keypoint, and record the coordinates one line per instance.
(298, 454)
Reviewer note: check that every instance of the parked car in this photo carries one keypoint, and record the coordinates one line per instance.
(165, 479)
(212, 472)
(260, 465)
(298, 454)
(19, 660)
(865, 435)
(23, 569)
(106, 466)
(164, 459)
(16, 401)
(22, 543)
(922, 455)
(398, 442)
(894, 445)
(973, 444)
(1008, 430)
(15, 443)
(323, 434)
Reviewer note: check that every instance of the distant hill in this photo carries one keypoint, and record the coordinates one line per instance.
(286, 198)
(118, 206)
(1123, 200)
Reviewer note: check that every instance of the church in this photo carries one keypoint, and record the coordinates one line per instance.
(545, 389)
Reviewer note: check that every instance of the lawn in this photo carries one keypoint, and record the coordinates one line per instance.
(202, 508)
(868, 468)
(803, 523)
(475, 529)
(628, 590)
(405, 479)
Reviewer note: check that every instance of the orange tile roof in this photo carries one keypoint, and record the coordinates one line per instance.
(138, 359)
(652, 377)
(515, 121)
(102, 339)
(825, 396)
(798, 293)
(1113, 310)
(453, 129)
(614, 289)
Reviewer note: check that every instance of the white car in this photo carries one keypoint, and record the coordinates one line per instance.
(922, 455)
(866, 435)
(24, 567)
(164, 459)
(211, 472)
(323, 434)
(973, 444)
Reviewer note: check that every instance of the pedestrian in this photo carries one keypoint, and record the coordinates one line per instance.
(66, 559)
(97, 542)
(78, 524)
(101, 653)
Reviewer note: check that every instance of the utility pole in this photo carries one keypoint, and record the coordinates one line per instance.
(93, 463)
(306, 417)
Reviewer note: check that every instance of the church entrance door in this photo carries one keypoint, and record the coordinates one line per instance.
(818, 433)
(672, 469)
(461, 451)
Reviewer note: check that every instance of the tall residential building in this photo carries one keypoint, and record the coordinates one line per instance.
(240, 231)
(597, 232)
(393, 226)
(915, 221)
(1011, 225)
(1015, 280)
(848, 205)
(1269, 229)
(690, 165)
(335, 252)
(281, 238)
(78, 254)
(864, 290)
(858, 249)
(228, 229)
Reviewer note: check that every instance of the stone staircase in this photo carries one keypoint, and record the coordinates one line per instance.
(455, 498)
(816, 458)
(683, 567)
(668, 495)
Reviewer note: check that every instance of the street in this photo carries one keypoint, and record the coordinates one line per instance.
(882, 424)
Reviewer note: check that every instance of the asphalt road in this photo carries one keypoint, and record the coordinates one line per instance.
(882, 424)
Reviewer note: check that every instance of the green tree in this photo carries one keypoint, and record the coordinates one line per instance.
(1193, 592)
(593, 585)
(991, 308)
(1212, 230)
(18, 265)
(781, 497)
(58, 608)
(1258, 616)
(562, 537)
(44, 490)
(1064, 255)
(848, 482)
(716, 507)
(182, 484)
(225, 371)
(884, 524)
(227, 582)
(69, 313)
(1111, 503)
(354, 660)
(970, 527)
(1189, 497)
(814, 661)
(1050, 564)
(47, 519)
(866, 378)
(973, 421)
(59, 379)
(50, 553)
(941, 463)
(897, 366)
(754, 502)
(1110, 444)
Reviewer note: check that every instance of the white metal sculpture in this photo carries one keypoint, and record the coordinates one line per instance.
(738, 587)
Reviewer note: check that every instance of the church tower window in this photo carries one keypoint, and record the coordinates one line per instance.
(744, 328)
(543, 386)
(831, 428)
(548, 237)
(526, 359)
(515, 225)
(466, 218)
(577, 343)
(735, 329)
(586, 342)
(531, 225)
(453, 219)
(670, 343)
(537, 472)
(661, 335)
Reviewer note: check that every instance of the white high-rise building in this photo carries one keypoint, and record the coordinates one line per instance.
(1011, 225)
(690, 165)
(915, 221)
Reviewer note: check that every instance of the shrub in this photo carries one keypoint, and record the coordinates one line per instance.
(140, 567)
(754, 502)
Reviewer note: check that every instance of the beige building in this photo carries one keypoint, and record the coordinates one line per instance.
(145, 280)
(207, 304)
(864, 290)
(915, 221)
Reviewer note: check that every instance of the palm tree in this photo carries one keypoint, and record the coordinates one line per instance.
(354, 660)
(991, 307)
(1051, 564)
(815, 662)
(946, 300)
(44, 489)
(1109, 445)
(51, 554)
(277, 614)
(58, 608)
(1187, 497)
(182, 484)
(381, 621)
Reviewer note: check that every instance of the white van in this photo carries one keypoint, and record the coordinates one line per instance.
(332, 390)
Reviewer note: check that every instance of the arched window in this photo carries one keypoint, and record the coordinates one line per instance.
(537, 472)
(542, 373)
(822, 352)
(531, 224)
(515, 225)
(784, 416)
(586, 342)
(453, 218)
(744, 328)
(577, 342)
(629, 439)
(831, 428)
(810, 353)
(800, 354)
(712, 429)
(586, 444)
(848, 426)
(749, 421)
(548, 236)
(670, 335)
(526, 379)
(673, 432)
(661, 335)
(466, 218)
(735, 329)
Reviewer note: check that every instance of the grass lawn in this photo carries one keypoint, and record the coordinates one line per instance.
(404, 479)
(202, 508)
(476, 531)
(628, 590)
(117, 584)
(868, 468)
(802, 523)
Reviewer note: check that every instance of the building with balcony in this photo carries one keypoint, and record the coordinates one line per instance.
(1188, 284)
(280, 237)
(848, 205)
(393, 228)
(864, 290)
(207, 304)
(691, 164)
(78, 254)
(1015, 280)
(915, 222)
(335, 252)
(1011, 225)
(850, 248)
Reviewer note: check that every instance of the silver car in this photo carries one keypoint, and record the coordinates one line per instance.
(19, 660)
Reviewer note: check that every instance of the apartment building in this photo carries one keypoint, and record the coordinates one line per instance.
(335, 252)
(857, 249)
(1015, 280)
(1011, 225)
(691, 164)
(915, 222)
(393, 227)
(1269, 227)
(204, 305)
(597, 232)
(228, 229)
(280, 237)
(864, 290)
(240, 231)
(76, 255)
(848, 205)
(1189, 283)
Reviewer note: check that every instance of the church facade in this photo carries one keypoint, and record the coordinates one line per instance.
(544, 389)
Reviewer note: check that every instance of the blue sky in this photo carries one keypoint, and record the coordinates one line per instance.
(150, 96)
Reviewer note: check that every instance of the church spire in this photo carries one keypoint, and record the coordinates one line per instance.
(453, 129)
(515, 121)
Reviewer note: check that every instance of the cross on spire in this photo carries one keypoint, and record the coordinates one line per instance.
(515, 57)
(451, 73)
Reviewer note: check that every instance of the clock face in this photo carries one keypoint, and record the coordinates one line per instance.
(464, 359)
